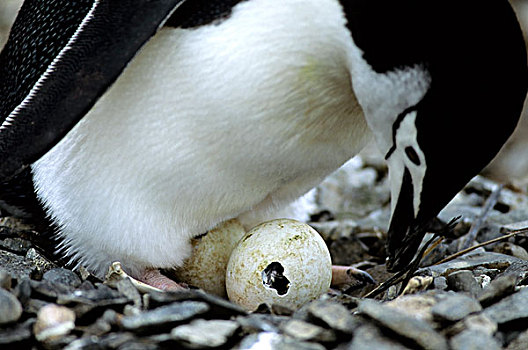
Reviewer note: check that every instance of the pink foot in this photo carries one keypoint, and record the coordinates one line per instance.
(154, 278)
(347, 275)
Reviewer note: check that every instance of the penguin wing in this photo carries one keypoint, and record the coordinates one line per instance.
(61, 57)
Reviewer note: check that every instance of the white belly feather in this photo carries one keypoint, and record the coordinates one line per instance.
(204, 125)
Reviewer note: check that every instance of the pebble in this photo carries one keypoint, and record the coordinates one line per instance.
(474, 340)
(472, 261)
(302, 330)
(334, 315)
(17, 336)
(53, 322)
(276, 341)
(62, 276)
(406, 326)
(463, 281)
(440, 283)
(511, 249)
(205, 334)
(369, 337)
(478, 322)
(5, 280)
(511, 308)
(10, 307)
(165, 316)
(498, 288)
(519, 343)
(455, 307)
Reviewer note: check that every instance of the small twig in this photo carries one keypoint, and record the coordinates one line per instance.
(465, 241)
(462, 252)
(403, 275)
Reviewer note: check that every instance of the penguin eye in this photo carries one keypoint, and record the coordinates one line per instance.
(412, 155)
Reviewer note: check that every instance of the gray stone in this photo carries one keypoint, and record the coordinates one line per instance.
(335, 315)
(519, 343)
(472, 261)
(463, 281)
(14, 336)
(511, 308)
(15, 245)
(127, 288)
(164, 315)
(369, 337)
(306, 331)
(498, 288)
(5, 280)
(440, 283)
(275, 341)
(17, 266)
(455, 307)
(205, 334)
(257, 323)
(511, 249)
(474, 340)
(480, 323)
(406, 326)
(10, 307)
(62, 276)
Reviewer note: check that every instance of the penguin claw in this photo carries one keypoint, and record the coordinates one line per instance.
(342, 275)
(154, 278)
(148, 281)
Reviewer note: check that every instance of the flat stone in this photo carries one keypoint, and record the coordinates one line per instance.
(305, 331)
(463, 281)
(418, 306)
(5, 280)
(455, 307)
(16, 335)
(257, 323)
(478, 322)
(15, 245)
(10, 307)
(17, 266)
(369, 337)
(165, 315)
(205, 334)
(519, 343)
(474, 340)
(406, 326)
(335, 315)
(472, 261)
(511, 308)
(498, 288)
(275, 341)
(511, 249)
(62, 276)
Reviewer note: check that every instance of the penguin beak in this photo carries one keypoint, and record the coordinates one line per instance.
(405, 231)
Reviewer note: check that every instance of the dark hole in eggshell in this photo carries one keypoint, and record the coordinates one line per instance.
(273, 278)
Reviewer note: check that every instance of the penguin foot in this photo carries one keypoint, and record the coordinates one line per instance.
(342, 275)
(153, 277)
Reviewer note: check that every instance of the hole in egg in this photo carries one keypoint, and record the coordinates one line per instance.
(273, 278)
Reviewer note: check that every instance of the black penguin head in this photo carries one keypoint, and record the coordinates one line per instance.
(442, 86)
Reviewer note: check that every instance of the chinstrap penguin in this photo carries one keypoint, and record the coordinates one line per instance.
(145, 123)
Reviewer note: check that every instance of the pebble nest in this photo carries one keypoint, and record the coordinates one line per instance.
(478, 300)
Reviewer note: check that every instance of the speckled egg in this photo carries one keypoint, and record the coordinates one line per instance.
(282, 262)
(206, 268)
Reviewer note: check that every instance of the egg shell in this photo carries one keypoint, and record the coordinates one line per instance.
(206, 268)
(296, 247)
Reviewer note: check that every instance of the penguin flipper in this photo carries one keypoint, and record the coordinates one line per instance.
(60, 58)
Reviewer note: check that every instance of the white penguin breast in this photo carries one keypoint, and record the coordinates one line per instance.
(203, 125)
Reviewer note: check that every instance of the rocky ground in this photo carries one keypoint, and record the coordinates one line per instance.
(476, 301)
